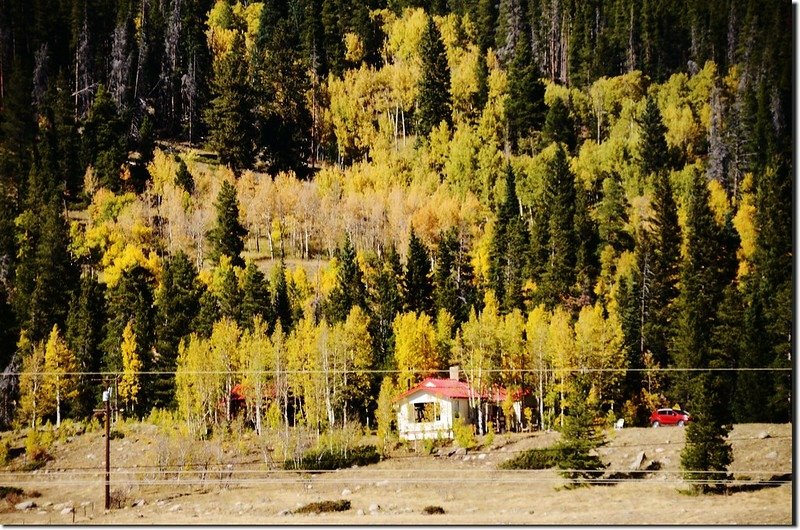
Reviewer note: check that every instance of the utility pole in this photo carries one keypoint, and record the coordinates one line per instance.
(107, 403)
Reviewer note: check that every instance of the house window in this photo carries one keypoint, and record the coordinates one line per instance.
(426, 412)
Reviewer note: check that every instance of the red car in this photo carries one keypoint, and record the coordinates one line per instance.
(669, 417)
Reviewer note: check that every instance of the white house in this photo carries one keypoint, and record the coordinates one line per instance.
(429, 409)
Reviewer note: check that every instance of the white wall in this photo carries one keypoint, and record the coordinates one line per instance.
(409, 429)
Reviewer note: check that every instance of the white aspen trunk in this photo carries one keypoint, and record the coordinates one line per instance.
(58, 404)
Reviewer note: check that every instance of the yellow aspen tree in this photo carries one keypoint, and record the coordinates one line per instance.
(131, 366)
(477, 351)
(60, 366)
(598, 348)
(256, 350)
(224, 360)
(536, 331)
(356, 358)
(385, 411)
(415, 351)
(560, 347)
(31, 381)
(195, 392)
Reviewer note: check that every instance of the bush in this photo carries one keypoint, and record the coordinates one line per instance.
(37, 445)
(432, 510)
(325, 506)
(5, 449)
(488, 440)
(115, 435)
(545, 458)
(464, 434)
(5, 491)
(325, 459)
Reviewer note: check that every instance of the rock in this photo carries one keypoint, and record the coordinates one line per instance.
(284, 513)
(659, 450)
(66, 511)
(481, 456)
(84, 504)
(374, 507)
(161, 504)
(175, 508)
(47, 504)
(60, 506)
(466, 458)
(772, 455)
(26, 505)
(763, 435)
(346, 492)
(638, 460)
(381, 483)
(360, 512)
(41, 512)
(138, 503)
(460, 451)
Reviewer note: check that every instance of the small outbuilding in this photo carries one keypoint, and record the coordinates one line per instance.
(429, 409)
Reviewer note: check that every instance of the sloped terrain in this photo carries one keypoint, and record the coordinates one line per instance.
(236, 487)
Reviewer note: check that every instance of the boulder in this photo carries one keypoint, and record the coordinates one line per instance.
(637, 461)
(772, 455)
(346, 492)
(763, 435)
(66, 511)
(25, 505)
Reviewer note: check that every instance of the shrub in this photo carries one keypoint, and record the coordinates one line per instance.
(5, 449)
(5, 491)
(464, 434)
(545, 458)
(325, 459)
(325, 506)
(433, 510)
(115, 435)
(37, 445)
(488, 440)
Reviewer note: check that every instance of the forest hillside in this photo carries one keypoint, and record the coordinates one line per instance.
(324, 202)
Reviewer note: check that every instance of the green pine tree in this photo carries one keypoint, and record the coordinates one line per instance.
(177, 303)
(229, 115)
(434, 101)
(417, 284)
(653, 152)
(256, 300)
(385, 302)
(227, 236)
(706, 394)
(281, 305)
(525, 108)
(83, 336)
(507, 254)
(581, 435)
(559, 125)
(660, 270)
(105, 141)
(559, 271)
(350, 290)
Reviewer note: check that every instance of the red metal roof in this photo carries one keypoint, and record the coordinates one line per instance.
(450, 388)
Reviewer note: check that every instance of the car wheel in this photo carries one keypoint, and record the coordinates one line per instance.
(680, 423)
(655, 424)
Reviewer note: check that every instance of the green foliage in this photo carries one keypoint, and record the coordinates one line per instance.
(508, 254)
(544, 458)
(581, 435)
(226, 237)
(229, 115)
(464, 434)
(417, 283)
(350, 290)
(434, 101)
(339, 458)
(8, 491)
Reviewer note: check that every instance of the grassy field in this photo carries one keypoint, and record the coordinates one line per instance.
(160, 477)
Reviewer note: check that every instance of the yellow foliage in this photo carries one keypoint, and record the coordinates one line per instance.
(128, 387)
(745, 224)
(354, 48)
(162, 169)
(415, 349)
(718, 201)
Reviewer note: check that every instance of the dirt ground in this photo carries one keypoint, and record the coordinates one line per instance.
(469, 488)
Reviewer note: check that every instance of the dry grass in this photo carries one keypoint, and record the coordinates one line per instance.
(472, 491)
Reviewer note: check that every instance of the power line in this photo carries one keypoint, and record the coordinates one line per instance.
(396, 371)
